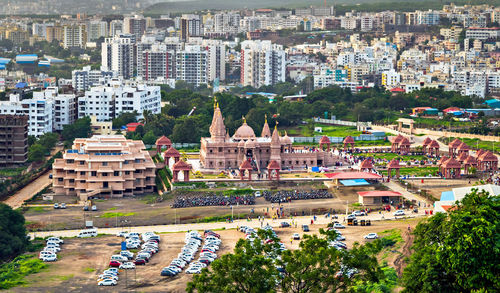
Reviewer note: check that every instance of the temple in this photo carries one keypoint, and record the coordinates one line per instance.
(220, 151)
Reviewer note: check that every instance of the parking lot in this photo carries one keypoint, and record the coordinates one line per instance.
(82, 260)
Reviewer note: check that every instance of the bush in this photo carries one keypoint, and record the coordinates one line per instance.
(12, 274)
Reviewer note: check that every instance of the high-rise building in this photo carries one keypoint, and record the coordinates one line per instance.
(63, 106)
(85, 78)
(191, 65)
(74, 36)
(135, 25)
(115, 27)
(262, 63)
(110, 100)
(118, 55)
(13, 140)
(157, 62)
(96, 29)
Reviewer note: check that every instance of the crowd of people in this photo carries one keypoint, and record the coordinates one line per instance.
(289, 195)
(212, 199)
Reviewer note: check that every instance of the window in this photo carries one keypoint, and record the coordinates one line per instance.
(125, 162)
(70, 161)
(60, 179)
(116, 173)
(104, 164)
(93, 173)
(82, 173)
(105, 174)
(127, 172)
(82, 163)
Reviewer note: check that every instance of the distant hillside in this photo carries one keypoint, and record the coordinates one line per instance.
(175, 6)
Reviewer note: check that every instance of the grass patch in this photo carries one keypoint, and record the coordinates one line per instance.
(476, 143)
(12, 274)
(62, 277)
(89, 270)
(336, 130)
(12, 172)
(386, 284)
(418, 171)
(111, 209)
(218, 218)
(38, 209)
(116, 214)
(233, 192)
(390, 156)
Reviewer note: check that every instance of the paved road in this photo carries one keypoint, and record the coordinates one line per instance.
(219, 225)
(15, 201)
(406, 194)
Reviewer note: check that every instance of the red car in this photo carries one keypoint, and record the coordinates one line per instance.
(114, 263)
(140, 261)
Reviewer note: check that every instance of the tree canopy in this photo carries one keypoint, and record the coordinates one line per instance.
(459, 251)
(13, 239)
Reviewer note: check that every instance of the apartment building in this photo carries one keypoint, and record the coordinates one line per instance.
(262, 63)
(191, 65)
(74, 36)
(115, 27)
(96, 29)
(39, 112)
(110, 100)
(64, 106)
(134, 25)
(85, 78)
(156, 63)
(117, 54)
(13, 140)
(104, 166)
(482, 33)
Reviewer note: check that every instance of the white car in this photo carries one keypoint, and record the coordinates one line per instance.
(338, 226)
(107, 282)
(258, 194)
(51, 247)
(122, 234)
(371, 236)
(104, 276)
(193, 271)
(296, 236)
(56, 240)
(399, 213)
(127, 265)
(50, 257)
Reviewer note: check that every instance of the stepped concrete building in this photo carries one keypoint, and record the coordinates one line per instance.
(104, 166)
(221, 152)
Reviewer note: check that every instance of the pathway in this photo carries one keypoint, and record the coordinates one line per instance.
(406, 194)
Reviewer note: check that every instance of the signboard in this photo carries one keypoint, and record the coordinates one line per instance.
(124, 245)
(89, 224)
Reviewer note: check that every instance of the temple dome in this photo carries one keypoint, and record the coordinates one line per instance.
(250, 144)
(244, 132)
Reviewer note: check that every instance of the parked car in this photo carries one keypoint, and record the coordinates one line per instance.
(285, 224)
(63, 206)
(371, 236)
(168, 272)
(86, 208)
(399, 213)
(107, 282)
(127, 266)
(257, 194)
(359, 213)
(296, 236)
(338, 226)
(127, 254)
(351, 217)
(94, 208)
(115, 263)
(50, 176)
(50, 257)
(139, 261)
(56, 205)
(55, 239)
(305, 228)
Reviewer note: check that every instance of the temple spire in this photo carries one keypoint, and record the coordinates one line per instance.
(266, 132)
(275, 139)
(217, 128)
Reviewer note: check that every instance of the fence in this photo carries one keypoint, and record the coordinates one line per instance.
(335, 139)
(358, 125)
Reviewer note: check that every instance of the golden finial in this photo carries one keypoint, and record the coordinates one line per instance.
(265, 115)
(276, 125)
(244, 119)
(215, 102)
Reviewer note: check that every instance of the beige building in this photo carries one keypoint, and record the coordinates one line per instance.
(104, 166)
(101, 127)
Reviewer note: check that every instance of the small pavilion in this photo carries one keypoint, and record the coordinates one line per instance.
(470, 162)
(161, 142)
(348, 143)
(171, 153)
(395, 143)
(181, 166)
(246, 166)
(442, 160)
(433, 148)
(393, 164)
(480, 152)
(452, 147)
(324, 141)
(404, 146)
(274, 170)
(366, 166)
(487, 161)
(450, 168)
(462, 157)
(463, 148)
(426, 143)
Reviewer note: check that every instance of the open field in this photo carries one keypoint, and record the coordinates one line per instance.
(81, 260)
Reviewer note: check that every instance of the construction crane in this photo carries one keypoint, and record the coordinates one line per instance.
(191, 112)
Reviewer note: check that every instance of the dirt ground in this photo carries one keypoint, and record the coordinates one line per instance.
(437, 186)
(81, 260)
(136, 211)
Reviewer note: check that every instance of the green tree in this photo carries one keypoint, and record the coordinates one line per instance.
(13, 239)
(149, 138)
(36, 153)
(459, 251)
(80, 129)
(124, 119)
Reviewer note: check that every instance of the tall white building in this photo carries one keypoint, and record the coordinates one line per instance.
(40, 112)
(110, 100)
(115, 27)
(262, 63)
(85, 78)
(191, 65)
(135, 25)
(96, 29)
(118, 55)
(64, 106)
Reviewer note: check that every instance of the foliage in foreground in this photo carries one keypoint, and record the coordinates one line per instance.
(458, 252)
(13, 239)
(314, 267)
(12, 274)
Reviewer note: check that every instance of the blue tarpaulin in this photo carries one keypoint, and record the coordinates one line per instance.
(21, 85)
(447, 195)
(354, 182)
(315, 169)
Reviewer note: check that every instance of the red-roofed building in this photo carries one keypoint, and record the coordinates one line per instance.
(379, 197)
(131, 127)
(397, 90)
